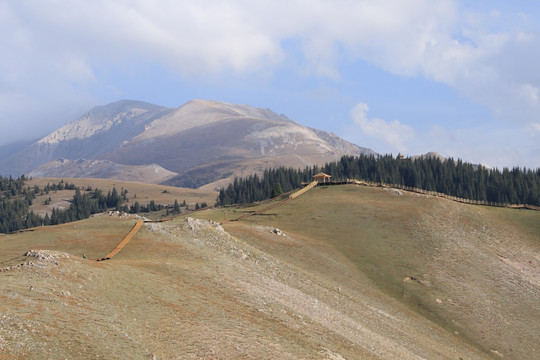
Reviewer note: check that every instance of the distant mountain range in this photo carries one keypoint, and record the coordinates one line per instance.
(201, 143)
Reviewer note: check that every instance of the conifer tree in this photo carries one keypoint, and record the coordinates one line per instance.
(277, 191)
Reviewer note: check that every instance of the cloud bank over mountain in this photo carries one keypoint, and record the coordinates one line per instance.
(64, 56)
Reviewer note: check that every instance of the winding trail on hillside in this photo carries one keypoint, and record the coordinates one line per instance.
(139, 223)
(259, 211)
(289, 198)
(124, 241)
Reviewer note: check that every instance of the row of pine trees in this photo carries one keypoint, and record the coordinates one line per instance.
(15, 213)
(454, 178)
(16, 200)
(272, 182)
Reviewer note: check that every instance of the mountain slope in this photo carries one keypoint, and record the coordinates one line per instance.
(102, 129)
(102, 169)
(201, 142)
(209, 137)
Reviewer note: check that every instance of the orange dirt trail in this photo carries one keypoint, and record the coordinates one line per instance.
(123, 243)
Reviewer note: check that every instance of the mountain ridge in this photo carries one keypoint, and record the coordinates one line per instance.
(200, 137)
(99, 169)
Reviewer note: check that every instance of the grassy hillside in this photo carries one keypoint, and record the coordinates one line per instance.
(473, 270)
(356, 273)
(139, 192)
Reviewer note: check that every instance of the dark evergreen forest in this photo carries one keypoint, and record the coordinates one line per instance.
(454, 178)
(16, 199)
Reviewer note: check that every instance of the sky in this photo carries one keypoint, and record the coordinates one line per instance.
(398, 76)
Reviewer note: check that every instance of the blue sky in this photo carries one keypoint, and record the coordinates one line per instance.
(398, 76)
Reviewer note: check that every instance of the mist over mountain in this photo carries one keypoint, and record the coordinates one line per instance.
(13, 147)
(100, 130)
(199, 143)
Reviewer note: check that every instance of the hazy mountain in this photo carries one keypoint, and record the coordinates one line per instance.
(11, 148)
(201, 142)
(436, 155)
(103, 169)
(102, 129)
(429, 155)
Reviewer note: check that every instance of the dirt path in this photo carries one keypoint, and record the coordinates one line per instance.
(123, 243)
(289, 198)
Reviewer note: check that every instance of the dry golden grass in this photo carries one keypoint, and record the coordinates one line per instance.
(359, 273)
(94, 237)
(142, 193)
(189, 290)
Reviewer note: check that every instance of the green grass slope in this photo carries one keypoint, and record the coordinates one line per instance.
(473, 270)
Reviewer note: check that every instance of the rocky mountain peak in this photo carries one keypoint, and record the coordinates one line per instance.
(198, 112)
(198, 143)
(100, 119)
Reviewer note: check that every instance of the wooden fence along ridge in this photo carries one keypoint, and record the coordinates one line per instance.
(445, 196)
(312, 184)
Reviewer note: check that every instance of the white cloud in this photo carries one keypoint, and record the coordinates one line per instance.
(54, 47)
(240, 35)
(503, 145)
(530, 93)
(393, 133)
(494, 147)
(187, 36)
(78, 70)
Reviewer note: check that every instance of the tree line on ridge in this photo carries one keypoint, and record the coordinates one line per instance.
(454, 178)
(16, 200)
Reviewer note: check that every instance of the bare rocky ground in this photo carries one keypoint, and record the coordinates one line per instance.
(189, 290)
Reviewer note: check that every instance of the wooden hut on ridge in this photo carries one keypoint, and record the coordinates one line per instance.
(322, 178)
